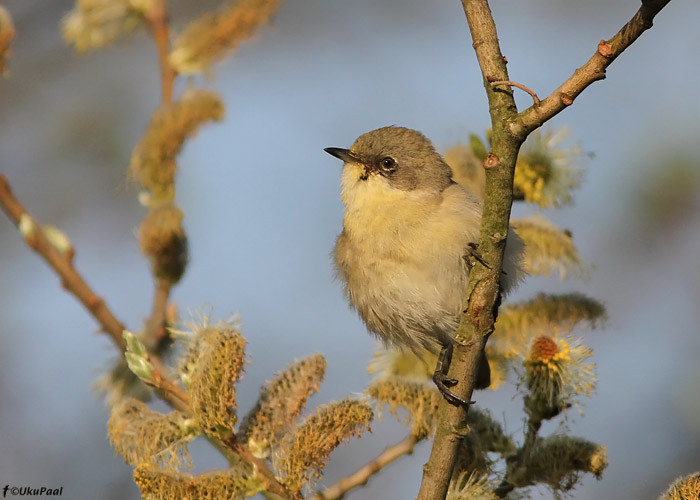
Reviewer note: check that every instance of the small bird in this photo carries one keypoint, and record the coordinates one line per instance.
(409, 234)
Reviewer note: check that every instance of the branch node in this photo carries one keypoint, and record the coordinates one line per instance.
(567, 99)
(604, 49)
(491, 161)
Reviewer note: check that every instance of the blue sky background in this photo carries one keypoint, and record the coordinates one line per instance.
(262, 208)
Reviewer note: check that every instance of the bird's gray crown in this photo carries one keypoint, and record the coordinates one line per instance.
(403, 156)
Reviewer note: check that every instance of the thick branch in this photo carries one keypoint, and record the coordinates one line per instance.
(592, 71)
(509, 131)
(476, 324)
(362, 475)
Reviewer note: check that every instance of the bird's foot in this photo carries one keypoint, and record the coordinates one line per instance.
(473, 253)
(443, 384)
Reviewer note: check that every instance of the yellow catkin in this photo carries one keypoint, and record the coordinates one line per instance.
(208, 39)
(545, 174)
(543, 314)
(559, 461)
(163, 240)
(153, 160)
(142, 435)
(684, 488)
(556, 374)
(280, 403)
(215, 370)
(471, 486)
(232, 484)
(420, 401)
(93, 24)
(303, 453)
(547, 248)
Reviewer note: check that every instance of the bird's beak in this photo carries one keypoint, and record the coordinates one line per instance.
(343, 154)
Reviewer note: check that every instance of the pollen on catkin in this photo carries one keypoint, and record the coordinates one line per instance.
(558, 461)
(545, 313)
(163, 240)
(547, 248)
(209, 38)
(153, 163)
(231, 484)
(556, 374)
(684, 488)
(420, 401)
(141, 435)
(544, 173)
(304, 452)
(471, 486)
(280, 403)
(216, 357)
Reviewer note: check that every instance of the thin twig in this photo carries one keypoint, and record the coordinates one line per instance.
(71, 280)
(520, 86)
(74, 283)
(158, 21)
(271, 483)
(156, 330)
(362, 475)
(592, 71)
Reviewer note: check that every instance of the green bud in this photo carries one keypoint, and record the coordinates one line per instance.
(141, 367)
(134, 345)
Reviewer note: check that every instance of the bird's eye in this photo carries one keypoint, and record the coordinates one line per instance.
(388, 164)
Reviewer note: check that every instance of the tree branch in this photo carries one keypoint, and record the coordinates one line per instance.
(482, 293)
(509, 132)
(63, 266)
(157, 20)
(73, 282)
(592, 71)
(362, 475)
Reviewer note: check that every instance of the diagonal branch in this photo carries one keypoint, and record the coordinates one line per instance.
(74, 283)
(592, 71)
(71, 280)
(362, 475)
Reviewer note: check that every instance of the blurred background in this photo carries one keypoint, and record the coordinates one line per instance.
(262, 211)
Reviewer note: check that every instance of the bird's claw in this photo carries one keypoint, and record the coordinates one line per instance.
(443, 384)
(473, 252)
